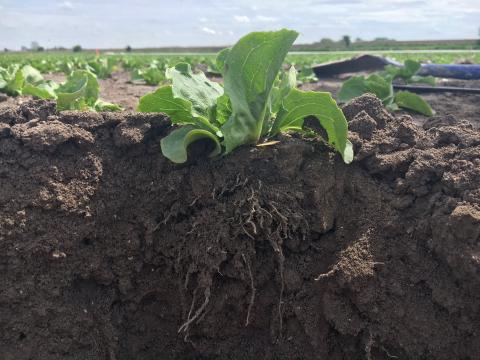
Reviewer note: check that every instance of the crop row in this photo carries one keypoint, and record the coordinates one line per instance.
(258, 99)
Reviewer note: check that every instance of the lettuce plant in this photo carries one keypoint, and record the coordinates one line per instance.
(81, 92)
(255, 103)
(153, 74)
(102, 67)
(16, 80)
(381, 84)
(409, 73)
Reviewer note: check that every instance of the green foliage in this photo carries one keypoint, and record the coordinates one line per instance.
(251, 67)
(81, 92)
(102, 67)
(381, 84)
(26, 80)
(45, 90)
(153, 74)
(77, 48)
(256, 102)
(408, 100)
(408, 73)
(298, 104)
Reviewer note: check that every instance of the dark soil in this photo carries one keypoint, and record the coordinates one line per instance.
(109, 251)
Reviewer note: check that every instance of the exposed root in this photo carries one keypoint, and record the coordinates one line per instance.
(238, 184)
(281, 265)
(198, 314)
(247, 233)
(326, 275)
(274, 224)
(368, 346)
(388, 354)
(253, 293)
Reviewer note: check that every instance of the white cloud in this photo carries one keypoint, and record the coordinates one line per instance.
(241, 19)
(203, 19)
(263, 18)
(66, 5)
(207, 30)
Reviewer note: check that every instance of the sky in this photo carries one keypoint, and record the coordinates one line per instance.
(155, 23)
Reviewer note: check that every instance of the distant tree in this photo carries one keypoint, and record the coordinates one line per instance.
(24, 48)
(40, 48)
(77, 48)
(478, 41)
(326, 44)
(128, 48)
(346, 39)
(34, 46)
(358, 39)
(6, 50)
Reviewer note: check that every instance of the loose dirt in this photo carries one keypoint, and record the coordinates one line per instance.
(109, 251)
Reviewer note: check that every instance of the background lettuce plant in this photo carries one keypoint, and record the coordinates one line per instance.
(81, 92)
(255, 103)
(25, 80)
(381, 84)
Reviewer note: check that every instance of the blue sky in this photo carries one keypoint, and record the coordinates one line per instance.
(144, 23)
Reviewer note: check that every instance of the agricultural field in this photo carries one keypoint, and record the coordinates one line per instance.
(236, 205)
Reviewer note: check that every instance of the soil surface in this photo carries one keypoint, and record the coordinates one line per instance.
(109, 251)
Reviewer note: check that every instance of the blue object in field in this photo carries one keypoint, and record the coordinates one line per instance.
(463, 71)
(370, 63)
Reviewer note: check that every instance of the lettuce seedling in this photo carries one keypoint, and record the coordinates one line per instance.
(409, 73)
(255, 103)
(153, 74)
(14, 79)
(81, 92)
(381, 84)
(102, 67)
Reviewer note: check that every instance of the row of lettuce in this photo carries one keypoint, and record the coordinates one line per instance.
(80, 92)
(146, 69)
(258, 99)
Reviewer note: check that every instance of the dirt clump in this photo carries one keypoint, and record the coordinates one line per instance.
(109, 251)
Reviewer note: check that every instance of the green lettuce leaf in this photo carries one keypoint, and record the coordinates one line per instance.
(352, 88)
(357, 85)
(300, 104)
(411, 101)
(410, 68)
(250, 69)
(220, 59)
(44, 90)
(286, 82)
(175, 145)
(11, 80)
(102, 105)
(429, 80)
(80, 92)
(31, 75)
(224, 109)
(162, 100)
(178, 110)
(196, 88)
